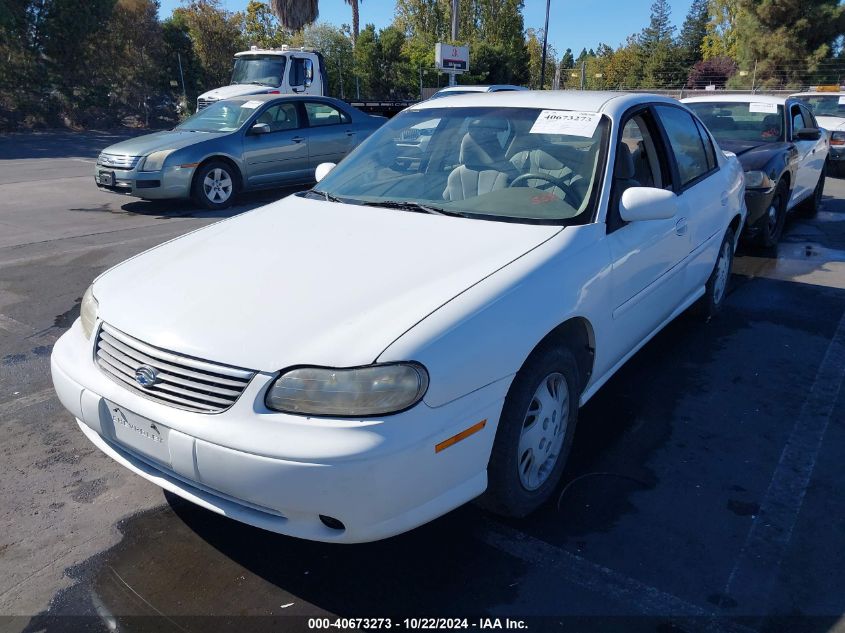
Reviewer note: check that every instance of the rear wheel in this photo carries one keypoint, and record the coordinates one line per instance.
(716, 288)
(534, 434)
(771, 224)
(215, 185)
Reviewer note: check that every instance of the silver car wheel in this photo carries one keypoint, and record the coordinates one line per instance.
(543, 430)
(722, 272)
(217, 186)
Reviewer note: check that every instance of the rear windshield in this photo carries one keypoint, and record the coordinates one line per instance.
(825, 105)
(746, 121)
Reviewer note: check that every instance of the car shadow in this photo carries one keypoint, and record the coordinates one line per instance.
(62, 143)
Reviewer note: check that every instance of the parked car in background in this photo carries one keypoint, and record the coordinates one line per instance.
(240, 144)
(451, 91)
(353, 361)
(782, 150)
(829, 110)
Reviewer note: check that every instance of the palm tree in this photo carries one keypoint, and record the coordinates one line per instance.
(355, 23)
(295, 14)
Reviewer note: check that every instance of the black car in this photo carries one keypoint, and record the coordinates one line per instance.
(782, 151)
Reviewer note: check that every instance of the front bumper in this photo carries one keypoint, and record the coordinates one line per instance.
(170, 182)
(281, 472)
(757, 201)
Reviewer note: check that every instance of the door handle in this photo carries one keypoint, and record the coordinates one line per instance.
(298, 139)
(350, 132)
(681, 226)
(724, 199)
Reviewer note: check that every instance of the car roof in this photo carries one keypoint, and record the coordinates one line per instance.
(477, 88)
(273, 97)
(737, 98)
(607, 102)
(822, 93)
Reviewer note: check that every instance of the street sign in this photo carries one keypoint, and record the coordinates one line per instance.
(451, 58)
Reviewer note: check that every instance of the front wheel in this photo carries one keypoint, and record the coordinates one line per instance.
(771, 224)
(215, 185)
(534, 434)
(716, 288)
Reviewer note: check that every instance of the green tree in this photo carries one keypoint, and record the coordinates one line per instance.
(656, 46)
(336, 47)
(215, 36)
(720, 38)
(567, 61)
(295, 15)
(262, 28)
(693, 32)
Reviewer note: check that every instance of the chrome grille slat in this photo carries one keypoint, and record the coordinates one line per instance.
(117, 161)
(183, 382)
(129, 372)
(145, 359)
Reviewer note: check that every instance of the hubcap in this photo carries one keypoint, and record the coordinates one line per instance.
(772, 218)
(217, 185)
(722, 273)
(543, 430)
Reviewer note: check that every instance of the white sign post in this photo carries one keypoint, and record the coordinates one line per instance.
(452, 60)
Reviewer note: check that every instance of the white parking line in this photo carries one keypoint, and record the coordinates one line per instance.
(753, 577)
(568, 567)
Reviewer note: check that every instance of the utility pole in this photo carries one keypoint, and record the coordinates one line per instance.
(453, 76)
(754, 76)
(583, 75)
(545, 43)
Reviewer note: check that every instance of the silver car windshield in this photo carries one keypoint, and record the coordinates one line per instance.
(517, 164)
(825, 105)
(223, 116)
(264, 71)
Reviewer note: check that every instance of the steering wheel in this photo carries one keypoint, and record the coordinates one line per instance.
(568, 192)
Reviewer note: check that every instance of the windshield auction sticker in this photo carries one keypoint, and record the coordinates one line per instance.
(768, 108)
(251, 104)
(566, 122)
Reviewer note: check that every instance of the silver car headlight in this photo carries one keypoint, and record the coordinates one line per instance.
(353, 392)
(155, 161)
(88, 312)
(758, 180)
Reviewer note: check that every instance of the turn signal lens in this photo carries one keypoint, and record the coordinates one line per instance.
(88, 312)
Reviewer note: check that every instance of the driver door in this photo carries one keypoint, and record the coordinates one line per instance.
(805, 175)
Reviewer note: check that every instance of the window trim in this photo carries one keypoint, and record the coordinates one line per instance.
(792, 130)
(274, 104)
(681, 188)
(343, 113)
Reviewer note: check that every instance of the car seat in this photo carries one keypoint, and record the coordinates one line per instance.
(483, 167)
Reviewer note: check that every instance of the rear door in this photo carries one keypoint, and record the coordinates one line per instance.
(280, 156)
(703, 191)
(331, 133)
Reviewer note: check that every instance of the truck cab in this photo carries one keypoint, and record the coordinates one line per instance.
(282, 70)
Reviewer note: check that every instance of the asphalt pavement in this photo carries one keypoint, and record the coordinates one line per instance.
(705, 489)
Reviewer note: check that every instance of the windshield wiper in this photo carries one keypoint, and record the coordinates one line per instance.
(323, 195)
(416, 207)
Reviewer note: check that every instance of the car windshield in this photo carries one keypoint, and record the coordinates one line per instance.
(450, 93)
(265, 71)
(517, 164)
(222, 116)
(742, 121)
(825, 105)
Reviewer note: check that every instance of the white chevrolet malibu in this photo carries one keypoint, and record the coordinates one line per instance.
(420, 328)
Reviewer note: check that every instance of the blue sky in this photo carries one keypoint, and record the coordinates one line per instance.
(574, 25)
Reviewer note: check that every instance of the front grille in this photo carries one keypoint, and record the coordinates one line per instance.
(202, 103)
(117, 161)
(181, 381)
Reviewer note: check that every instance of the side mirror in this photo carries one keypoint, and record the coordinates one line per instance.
(647, 203)
(808, 134)
(260, 128)
(322, 170)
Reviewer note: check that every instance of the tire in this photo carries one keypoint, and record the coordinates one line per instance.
(716, 288)
(810, 207)
(515, 486)
(215, 185)
(771, 224)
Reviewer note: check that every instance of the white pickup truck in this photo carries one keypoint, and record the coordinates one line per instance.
(288, 70)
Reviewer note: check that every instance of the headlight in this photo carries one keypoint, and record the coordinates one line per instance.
(88, 312)
(757, 180)
(354, 392)
(155, 161)
(837, 138)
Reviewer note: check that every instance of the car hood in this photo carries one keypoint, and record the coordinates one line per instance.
(754, 155)
(148, 143)
(831, 123)
(234, 90)
(304, 281)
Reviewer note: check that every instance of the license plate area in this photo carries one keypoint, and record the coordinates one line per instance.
(107, 178)
(135, 432)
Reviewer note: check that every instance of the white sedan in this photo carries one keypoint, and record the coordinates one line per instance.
(418, 330)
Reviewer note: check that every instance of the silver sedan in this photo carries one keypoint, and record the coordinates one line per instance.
(240, 144)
